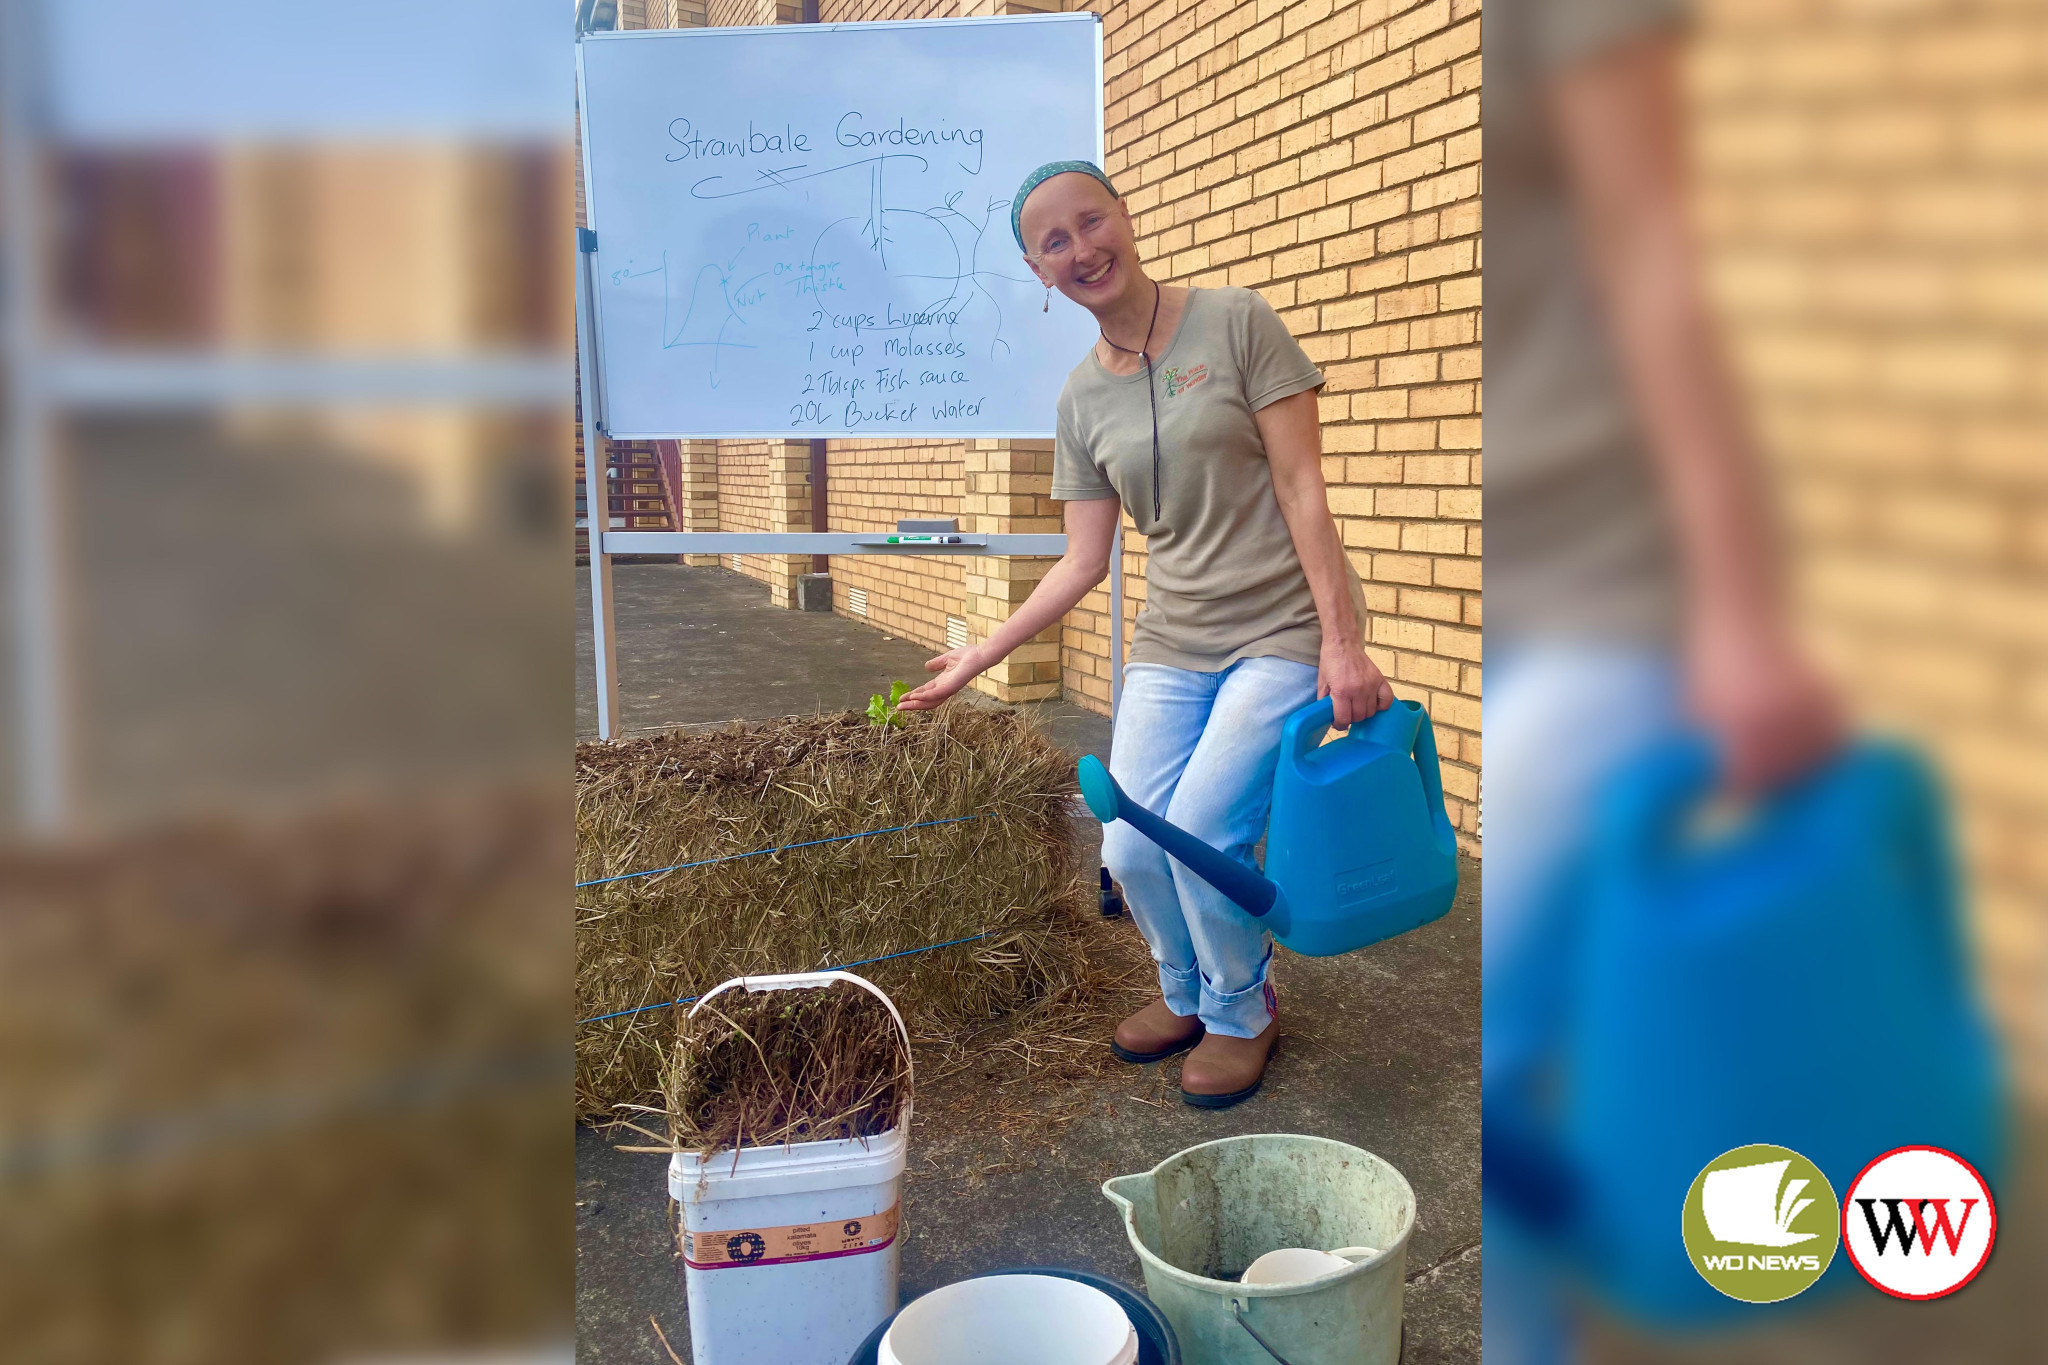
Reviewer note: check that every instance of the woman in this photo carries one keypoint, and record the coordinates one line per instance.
(1195, 411)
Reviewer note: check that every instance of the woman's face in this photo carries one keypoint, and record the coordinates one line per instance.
(1078, 239)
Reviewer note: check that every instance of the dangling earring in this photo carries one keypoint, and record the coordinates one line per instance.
(1048, 300)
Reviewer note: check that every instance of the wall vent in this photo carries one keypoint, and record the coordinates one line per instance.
(857, 601)
(956, 633)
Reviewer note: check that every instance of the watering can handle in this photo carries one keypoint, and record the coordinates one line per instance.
(1305, 728)
(1432, 775)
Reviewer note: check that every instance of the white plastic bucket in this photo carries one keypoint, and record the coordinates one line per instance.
(790, 1252)
(1012, 1320)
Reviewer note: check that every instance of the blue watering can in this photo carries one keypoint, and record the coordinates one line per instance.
(1798, 980)
(1359, 847)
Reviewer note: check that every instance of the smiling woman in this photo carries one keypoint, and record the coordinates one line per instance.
(1252, 609)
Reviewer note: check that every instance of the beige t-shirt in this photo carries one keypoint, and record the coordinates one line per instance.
(1222, 579)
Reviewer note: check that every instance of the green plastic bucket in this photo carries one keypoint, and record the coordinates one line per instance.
(1198, 1218)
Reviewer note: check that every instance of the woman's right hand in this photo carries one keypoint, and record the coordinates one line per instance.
(956, 668)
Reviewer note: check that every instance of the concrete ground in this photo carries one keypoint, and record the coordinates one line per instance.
(1381, 1047)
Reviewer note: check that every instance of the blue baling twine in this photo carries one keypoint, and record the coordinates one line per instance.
(864, 962)
(780, 848)
(813, 843)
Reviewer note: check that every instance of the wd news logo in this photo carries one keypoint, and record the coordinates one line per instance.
(1761, 1223)
(1919, 1222)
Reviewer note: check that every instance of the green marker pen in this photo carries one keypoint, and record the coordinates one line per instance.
(924, 540)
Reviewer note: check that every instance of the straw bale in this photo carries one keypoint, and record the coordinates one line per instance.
(1010, 873)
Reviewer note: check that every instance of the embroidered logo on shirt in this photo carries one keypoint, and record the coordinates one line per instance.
(1179, 381)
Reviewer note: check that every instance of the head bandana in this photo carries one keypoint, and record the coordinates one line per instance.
(1039, 177)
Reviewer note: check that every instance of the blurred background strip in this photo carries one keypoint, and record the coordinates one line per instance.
(283, 826)
(1874, 204)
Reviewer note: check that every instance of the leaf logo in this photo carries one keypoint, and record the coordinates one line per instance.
(1744, 1204)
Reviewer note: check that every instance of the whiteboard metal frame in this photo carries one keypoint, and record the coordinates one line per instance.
(1047, 546)
(605, 542)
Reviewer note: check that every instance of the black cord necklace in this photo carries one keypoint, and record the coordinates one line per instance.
(1145, 352)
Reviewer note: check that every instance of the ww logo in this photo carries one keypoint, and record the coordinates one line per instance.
(1919, 1222)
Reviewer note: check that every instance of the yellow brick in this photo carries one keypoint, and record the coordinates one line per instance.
(1427, 670)
(1418, 23)
(1430, 605)
(1449, 400)
(1463, 574)
(1412, 503)
(1437, 469)
(1380, 404)
(1459, 433)
(1434, 538)
(1460, 503)
(1453, 258)
(1410, 569)
(1399, 633)
(1409, 369)
(1373, 469)
(1408, 436)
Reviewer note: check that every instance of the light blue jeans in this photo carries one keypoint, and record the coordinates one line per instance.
(1200, 750)
(1561, 718)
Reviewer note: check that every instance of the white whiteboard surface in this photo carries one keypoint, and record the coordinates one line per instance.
(804, 231)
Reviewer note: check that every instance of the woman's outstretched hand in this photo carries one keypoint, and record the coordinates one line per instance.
(1353, 683)
(956, 668)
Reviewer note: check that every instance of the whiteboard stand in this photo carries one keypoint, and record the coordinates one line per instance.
(597, 501)
(1116, 617)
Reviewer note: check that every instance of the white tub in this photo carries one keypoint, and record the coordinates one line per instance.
(790, 1253)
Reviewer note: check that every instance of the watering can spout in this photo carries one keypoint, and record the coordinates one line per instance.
(1245, 887)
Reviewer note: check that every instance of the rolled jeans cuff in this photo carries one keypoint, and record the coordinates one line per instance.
(1241, 1014)
(1182, 989)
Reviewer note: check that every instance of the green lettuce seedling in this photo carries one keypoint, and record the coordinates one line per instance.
(882, 710)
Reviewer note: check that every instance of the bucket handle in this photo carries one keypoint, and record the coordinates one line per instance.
(790, 981)
(1237, 1307)
(1237, 1312)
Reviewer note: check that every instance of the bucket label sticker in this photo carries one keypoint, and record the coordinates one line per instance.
(704, 1250)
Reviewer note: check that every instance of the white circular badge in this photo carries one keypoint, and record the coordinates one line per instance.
(1919, 1222)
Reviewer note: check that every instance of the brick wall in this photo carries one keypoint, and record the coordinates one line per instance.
(1326, 154)
(1878, 250)
(871, 484)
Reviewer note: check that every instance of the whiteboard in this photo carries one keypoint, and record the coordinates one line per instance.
(804, 231)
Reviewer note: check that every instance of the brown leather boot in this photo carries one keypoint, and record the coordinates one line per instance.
(1155, 1033)
(1224, 1071)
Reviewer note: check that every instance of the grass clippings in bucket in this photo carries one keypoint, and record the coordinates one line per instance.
(765, 1068)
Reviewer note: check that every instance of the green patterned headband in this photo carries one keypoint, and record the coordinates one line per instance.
(1039, 177)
